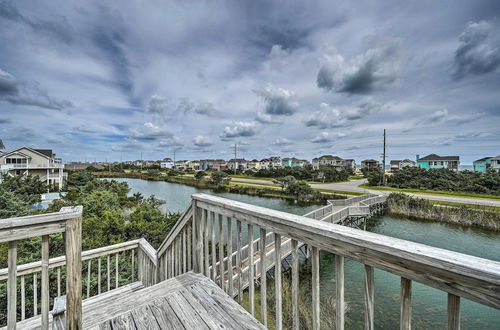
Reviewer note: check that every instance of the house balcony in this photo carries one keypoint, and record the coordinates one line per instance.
(8, 167)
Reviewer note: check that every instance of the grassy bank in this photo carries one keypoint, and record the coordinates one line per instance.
(245, 188)
(401, 204)
(433, 192)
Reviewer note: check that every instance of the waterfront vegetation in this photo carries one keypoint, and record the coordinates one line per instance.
(307, 173)
(444, 180)
(221, 181)
(485, 217)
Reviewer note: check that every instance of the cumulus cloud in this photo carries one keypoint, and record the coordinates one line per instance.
(202, 141)
(150, 131)
(329, 117)
(186, 106)
(375, 69)
(129, 145)
(158, 105)
(265, 118)
(28, 93)
(282, 142)
(173, 141)
(239, 129)
(278, 101)
(325, 137)
(479, 49)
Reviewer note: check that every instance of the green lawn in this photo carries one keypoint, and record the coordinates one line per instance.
(433, 192)
(270, 185)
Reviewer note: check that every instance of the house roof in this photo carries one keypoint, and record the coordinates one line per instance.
(483, 159)
(43, 152)
(46, 152)
(369, 161)
(437, 157)
(496, 158)
(395, 162)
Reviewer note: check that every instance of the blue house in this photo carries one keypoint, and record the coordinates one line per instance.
(436, 161)
(482, 165)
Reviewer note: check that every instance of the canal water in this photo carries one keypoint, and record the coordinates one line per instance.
(429, 305)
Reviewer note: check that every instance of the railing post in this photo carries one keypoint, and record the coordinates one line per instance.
(12, 286)
(453, 312)
(339, 279)
(405, 304)
(74, 273)
(197, 239)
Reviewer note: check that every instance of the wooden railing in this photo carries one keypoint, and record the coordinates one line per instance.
(104, 269)
(67, 221)
(209, 250)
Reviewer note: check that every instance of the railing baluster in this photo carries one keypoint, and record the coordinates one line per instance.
(339, 283)
(405, 304)
(184, 251)
(172, 261)
(206, 270)
(277, 281)
(230, 256)
(238, 260)
(189, 245)
(99, 274)
(251, 290)
(23, 298)
(221, 253)
(45, 282)
(214, 253)
(58, 281)
(263, 278)
(12, 286)
(35, 294)
(196, 238)
(109, 271)
(133, 268)
(369, 295)
(89, 271)
(116, 270)
(315, 288)
(295, 285)
(453, 312)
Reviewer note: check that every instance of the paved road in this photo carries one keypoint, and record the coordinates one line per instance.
(353, 186)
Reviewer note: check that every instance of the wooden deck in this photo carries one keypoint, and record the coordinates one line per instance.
(188, 301)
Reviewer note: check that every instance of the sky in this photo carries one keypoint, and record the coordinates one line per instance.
(117, 80)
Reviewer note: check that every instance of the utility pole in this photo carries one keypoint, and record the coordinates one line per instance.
(174, 159)
(383, 161)
(235, 162)
(141, 160)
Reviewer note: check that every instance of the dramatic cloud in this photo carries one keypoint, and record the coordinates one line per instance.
(28, 93)
(375, 69)
(323, 137)
(59, 29)
(239, 129)
(479, 49)
(202, 141)
(278, 101)
(329, 117)
(173, 141)
(264, 118)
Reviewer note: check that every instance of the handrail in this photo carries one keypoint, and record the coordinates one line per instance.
(471, 277)
(179, 225)
(36, 266)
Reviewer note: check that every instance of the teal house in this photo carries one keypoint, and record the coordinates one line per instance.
(482, 165)
(293, 162)
(436, 161)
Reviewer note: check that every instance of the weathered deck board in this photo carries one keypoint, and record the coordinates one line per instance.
(188, 301)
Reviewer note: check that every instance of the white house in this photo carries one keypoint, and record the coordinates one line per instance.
(167, 163)
(40, 162)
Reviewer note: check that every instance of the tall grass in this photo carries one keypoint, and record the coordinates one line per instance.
(401, 204)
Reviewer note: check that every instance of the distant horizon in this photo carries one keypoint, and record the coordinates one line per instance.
(302, 79)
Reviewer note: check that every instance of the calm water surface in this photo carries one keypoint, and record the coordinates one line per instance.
(429, 305)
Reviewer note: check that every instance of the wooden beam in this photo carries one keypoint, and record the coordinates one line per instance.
(405, 304)
(74, 274)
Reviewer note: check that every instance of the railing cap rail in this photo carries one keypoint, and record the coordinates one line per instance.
(65, 213)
